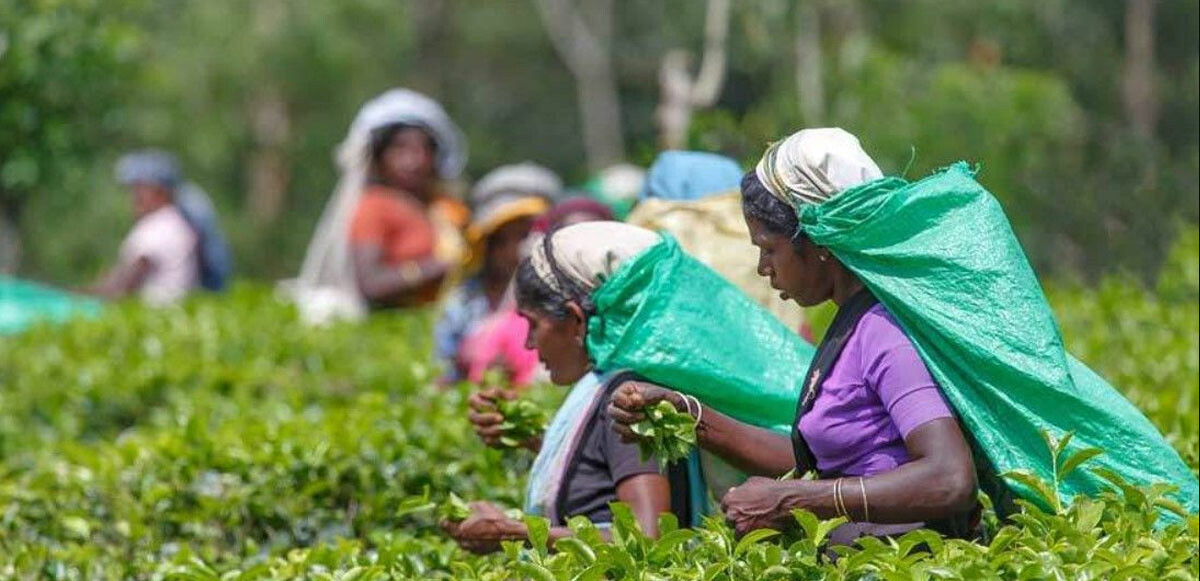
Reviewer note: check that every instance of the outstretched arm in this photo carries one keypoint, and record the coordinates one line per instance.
(379, 282)
(648, 496)
(751, 449)
(122, 280)
(938, 482)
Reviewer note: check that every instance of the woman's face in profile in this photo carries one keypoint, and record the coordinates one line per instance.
(559, 343)
(799, 274)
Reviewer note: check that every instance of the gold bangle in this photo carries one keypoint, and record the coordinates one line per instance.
(862, 485)
(842, 499)
(838, 504)
(836, 511)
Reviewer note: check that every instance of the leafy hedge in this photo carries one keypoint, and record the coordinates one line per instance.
(223, 439)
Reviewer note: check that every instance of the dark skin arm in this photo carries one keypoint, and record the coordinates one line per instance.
(748, 448)
(937, 482)
(379, 282)
(648, 495)
(122, 280)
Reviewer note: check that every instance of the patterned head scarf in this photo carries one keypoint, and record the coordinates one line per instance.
(577, 259)
(812, 165)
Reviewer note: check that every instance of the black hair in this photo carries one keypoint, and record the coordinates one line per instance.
(534, 294)
(776, 215)
(382, 137)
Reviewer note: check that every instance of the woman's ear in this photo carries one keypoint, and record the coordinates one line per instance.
(578, 316)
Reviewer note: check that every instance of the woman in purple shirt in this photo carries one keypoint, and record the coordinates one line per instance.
(888, 452)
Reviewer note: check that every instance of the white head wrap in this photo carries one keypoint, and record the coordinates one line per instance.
(812, 165)
(588, 253)
(326, 288)
(621, 182)
(522, 179)
(411, 108)
(509, 187)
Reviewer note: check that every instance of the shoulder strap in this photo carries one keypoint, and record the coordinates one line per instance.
(830, 349)
(677, 475)
(573, 463)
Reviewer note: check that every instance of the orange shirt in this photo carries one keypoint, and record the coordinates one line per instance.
(396, 223)
(400, 226)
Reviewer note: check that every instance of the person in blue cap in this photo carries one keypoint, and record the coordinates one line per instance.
(694, 196)
(175, 244)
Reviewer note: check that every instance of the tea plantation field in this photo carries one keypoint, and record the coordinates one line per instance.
(225, 440)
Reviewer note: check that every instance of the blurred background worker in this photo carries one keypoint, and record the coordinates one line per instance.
(505, 203)
(175, 244)
(391, 234)
(694, 196)
(498, 342)
(617, 186)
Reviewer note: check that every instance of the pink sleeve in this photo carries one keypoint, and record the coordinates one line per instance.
(500, 340)
(522, 361)
(896, 372)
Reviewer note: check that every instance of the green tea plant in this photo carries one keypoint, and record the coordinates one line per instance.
(523, 421)
(224, 440)
(666, 433)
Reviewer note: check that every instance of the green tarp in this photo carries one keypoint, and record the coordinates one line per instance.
(675, 321)
(941, 256)
(23, 303)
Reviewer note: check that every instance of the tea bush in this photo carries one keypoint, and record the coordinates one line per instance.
(225, 440)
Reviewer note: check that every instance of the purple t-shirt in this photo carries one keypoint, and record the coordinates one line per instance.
(878, 392)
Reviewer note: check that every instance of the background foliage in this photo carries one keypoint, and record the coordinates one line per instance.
(255, 95)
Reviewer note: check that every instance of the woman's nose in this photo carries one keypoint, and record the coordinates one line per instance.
(764, 269)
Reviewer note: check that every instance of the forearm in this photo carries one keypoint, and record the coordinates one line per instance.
(914, 492)
(751, 449)
(121, 281)
(382, 283)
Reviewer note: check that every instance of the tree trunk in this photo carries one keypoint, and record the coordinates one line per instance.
(1141, 108)
(267, 113)
(810, 86)
(680, 94)
(600, 110)
(10, 241)
(435, 45)
(269, 175)
(582, 36)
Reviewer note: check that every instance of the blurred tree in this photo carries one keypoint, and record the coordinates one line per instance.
(810, 86)
(1138, 81)
(255, 95)
(680, 94)
(1032, 90)
(64, 67)
(582, 33)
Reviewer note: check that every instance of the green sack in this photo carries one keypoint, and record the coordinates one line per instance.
(673, 320)
(23, 303)
(941, 256)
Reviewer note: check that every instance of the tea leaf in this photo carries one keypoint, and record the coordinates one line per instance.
(667, 434)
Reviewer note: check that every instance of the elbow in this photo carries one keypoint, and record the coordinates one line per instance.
(958, 492)
(370, 293)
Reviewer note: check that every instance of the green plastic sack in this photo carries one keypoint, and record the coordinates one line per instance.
(23, 303)
(673, 320)
(941, 256)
